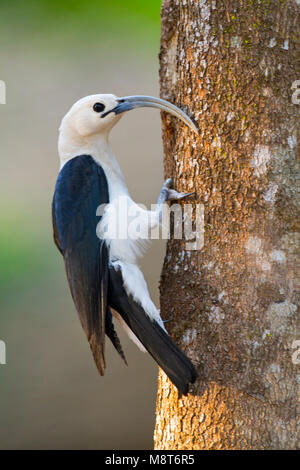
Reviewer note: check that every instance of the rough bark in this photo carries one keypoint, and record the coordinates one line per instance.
(232, 306)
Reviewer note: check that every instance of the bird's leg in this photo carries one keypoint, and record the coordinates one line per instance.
(168, 194)
(151, 219)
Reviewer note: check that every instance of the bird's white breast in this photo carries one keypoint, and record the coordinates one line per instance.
(117, 223)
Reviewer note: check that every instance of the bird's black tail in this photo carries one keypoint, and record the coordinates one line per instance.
(164, 351)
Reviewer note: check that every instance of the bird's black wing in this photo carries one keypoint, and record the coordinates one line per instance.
(157, 342)
(80, 188)
(112, 334)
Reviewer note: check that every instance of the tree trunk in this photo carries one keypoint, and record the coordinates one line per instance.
(232, 306)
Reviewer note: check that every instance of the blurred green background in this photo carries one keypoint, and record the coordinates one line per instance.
(53, 53)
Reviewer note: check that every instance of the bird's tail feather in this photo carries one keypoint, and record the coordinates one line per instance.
(164, 351)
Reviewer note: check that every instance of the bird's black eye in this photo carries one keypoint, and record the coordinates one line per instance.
(98, 107)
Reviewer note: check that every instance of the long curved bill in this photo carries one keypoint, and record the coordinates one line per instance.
(140, 101)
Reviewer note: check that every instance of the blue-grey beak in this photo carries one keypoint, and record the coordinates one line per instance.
(140, 101)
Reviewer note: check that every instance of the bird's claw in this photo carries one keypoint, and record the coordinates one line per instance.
(168, 183)
(169, 194)
(175, 195)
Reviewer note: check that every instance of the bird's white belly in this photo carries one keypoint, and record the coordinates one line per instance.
(124, 226)
(115, 225)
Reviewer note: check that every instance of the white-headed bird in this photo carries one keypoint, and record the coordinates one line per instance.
(102, 270)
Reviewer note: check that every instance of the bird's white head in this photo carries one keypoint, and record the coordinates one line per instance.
(86, 126)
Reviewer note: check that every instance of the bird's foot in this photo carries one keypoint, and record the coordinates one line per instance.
(171, 194)
(175, 195)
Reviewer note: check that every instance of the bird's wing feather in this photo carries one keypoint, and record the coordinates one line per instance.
(112, 334)
(165, 352)
(81, 187)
